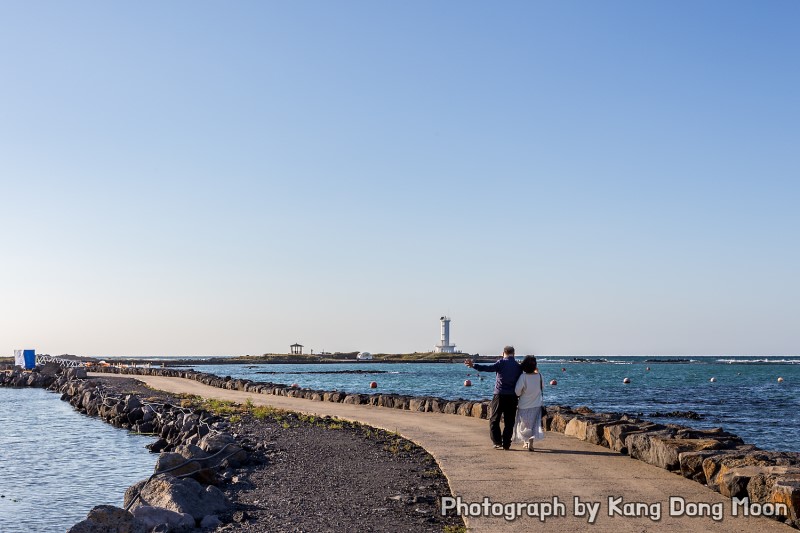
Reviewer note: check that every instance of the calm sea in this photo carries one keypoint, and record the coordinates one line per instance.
(745, 398)
(58, 464)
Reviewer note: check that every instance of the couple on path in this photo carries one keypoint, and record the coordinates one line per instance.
(517, 400)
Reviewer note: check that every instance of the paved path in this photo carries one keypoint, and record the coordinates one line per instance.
(562, 467)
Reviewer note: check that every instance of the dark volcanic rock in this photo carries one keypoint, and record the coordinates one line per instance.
(182, 496)
(109, 519)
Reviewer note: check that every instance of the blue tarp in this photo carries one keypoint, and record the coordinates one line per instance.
(30, 358)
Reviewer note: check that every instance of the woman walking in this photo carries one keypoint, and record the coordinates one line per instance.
(529, 388)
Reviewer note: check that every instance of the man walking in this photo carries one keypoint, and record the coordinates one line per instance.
(504, 402)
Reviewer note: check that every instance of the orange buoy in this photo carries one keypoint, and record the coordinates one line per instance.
(467, 383)
(626, 380)
(373, 385)
(553, 382)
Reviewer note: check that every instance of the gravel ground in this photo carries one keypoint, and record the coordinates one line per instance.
(313, 474)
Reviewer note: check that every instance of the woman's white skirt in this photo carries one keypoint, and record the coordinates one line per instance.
(528, 424)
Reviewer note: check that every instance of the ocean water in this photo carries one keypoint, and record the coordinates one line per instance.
(58, 464)
(745, 398)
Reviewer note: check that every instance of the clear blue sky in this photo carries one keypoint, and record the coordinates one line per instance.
(569, 177)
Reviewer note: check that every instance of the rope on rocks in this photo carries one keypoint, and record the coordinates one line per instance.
(109, 400)
(176, 467)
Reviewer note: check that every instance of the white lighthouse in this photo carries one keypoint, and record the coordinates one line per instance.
(444, 345)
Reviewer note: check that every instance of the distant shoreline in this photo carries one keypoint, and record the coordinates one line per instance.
(287, 359)
(350, 358)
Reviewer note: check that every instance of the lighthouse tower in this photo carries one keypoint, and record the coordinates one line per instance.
(444, 345)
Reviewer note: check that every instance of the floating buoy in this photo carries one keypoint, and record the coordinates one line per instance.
(626, 380)
(648, 369)
(780, 380)
(713, 380)
(373, 385)
(553, 382)
(467, 383)
(295, 386)
(563, 369)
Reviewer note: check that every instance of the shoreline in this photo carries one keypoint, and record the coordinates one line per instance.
(718, 460)
(262, 448)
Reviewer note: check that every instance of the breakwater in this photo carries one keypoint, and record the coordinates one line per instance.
(713, 457)
(745, 398)
(196, 455)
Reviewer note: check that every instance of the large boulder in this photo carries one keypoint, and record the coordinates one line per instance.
(385, 400)
(717, 466)
(416, 404)
(437, 405)
(182, 496)
(663, 451)
(691, 463)
(157, 516)
(401, 402)
(559, 418)
(354, 399)
(616, 435)
(132, 492)
(168, 461)
(480, 410)
(132, 402)
(450, 408)
(786, 490)
(217, 442)
(465, 409)
(591, 428)
(109, 519)
(191, 451)
(735, 482)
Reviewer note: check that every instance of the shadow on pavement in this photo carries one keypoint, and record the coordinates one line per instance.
(573, 452)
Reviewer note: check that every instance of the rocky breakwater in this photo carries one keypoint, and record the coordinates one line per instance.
(429, 404)
(713, 457)
(761, 481)
(197, 455)
(38, 377)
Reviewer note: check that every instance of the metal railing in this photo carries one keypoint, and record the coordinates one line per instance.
(66, 363)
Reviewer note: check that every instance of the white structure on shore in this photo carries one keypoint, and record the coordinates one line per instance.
(444, 345)
(364, 356)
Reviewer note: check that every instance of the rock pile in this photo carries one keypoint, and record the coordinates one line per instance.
(196, 455)
(714, 457)
(19, 378)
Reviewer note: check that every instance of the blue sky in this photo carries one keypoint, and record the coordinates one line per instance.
(567, 177)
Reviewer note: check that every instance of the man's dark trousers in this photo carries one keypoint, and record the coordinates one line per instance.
(505, 406)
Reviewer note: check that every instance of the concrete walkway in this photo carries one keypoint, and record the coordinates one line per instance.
(562, 467)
